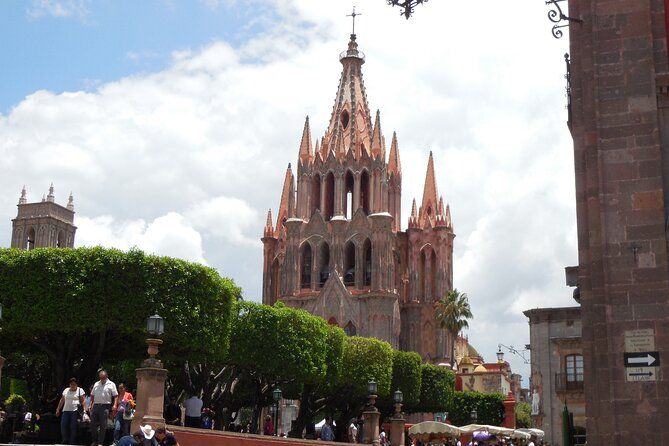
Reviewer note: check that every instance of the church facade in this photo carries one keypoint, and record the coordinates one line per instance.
(337, 248)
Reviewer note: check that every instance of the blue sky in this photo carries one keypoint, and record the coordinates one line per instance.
(85, 44)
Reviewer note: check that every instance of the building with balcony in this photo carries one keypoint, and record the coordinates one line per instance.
(556, 371)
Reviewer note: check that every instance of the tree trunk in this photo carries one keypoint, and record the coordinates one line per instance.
(304, 415)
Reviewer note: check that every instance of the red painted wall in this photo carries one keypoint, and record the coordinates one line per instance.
(201, 437)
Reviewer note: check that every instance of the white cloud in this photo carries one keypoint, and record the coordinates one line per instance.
(169, 235)
(58, 8)
(188, 159)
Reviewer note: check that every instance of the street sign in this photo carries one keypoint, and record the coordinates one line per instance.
(637, 374)
(642, 359)
(641, 340)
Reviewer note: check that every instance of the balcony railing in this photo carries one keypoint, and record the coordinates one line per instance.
(571, 383)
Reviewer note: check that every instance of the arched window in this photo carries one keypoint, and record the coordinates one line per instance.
(344, 119)
(328, 206)
(350, 329)
(421, 275)
(364, 192)
(30, 240)
(433, 275)
(324, 269)
(60, 241)
(348, 194)
(349, 264)
(367, 265)
(315, 194)
(574, 371)
(305, 266)
(274, 282)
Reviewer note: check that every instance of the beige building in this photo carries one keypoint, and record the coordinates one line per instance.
(556, 370)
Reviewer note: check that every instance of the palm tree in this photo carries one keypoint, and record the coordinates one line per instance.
(452, 313)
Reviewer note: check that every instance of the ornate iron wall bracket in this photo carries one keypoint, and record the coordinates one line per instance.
(558, 17)
(406, 6)
(567, 76)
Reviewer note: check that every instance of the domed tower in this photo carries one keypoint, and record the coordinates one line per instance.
(336, 248)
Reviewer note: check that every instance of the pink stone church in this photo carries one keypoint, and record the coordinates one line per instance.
(337, 248)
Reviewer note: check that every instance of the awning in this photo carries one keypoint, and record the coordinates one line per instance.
(431, 430)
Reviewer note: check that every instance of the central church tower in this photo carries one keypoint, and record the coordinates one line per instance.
(337, 249)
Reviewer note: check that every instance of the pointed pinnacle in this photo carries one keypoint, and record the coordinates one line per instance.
(305, 154)
(394, 165)
(377, 143)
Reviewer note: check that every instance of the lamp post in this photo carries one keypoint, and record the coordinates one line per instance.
(500, 354)
(277, 395)
(397, 420)
(371, 416)
(474, 416)
(151, 379)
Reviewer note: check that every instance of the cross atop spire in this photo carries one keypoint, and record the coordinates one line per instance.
(353, 15)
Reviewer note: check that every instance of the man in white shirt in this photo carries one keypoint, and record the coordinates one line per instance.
(103, 399)
(193, 406)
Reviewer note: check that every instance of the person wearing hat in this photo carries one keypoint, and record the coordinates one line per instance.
(145, 436)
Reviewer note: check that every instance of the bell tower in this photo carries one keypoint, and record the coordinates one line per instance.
(43, 224)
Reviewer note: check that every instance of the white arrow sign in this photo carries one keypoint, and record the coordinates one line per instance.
(648, 360)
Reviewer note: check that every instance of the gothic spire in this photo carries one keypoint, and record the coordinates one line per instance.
(23, 199)
(449, 222)
(350, 121)
(269, 230)
(70, 202)
(51, 197)
(429, 206)
(377, 139)
(305, 155)
(413, 218)
(394, 165)
(286, 201)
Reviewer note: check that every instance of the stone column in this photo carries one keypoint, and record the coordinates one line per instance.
(371, 417)
(509, 412)
(150, 390)
(397, 427)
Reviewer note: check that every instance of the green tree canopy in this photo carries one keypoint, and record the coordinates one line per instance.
(523, 415)
(280, 344)
(407, 377)
(88, 306)
(437, 389)
(489, 408)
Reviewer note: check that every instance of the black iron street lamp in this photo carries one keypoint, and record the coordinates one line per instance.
(277, 395)
(398, 397)
(155, 327)
(372, 388)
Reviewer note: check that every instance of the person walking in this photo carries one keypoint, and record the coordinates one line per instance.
(121, 413)
(104, 396)
(193, 406)
(71, 400)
